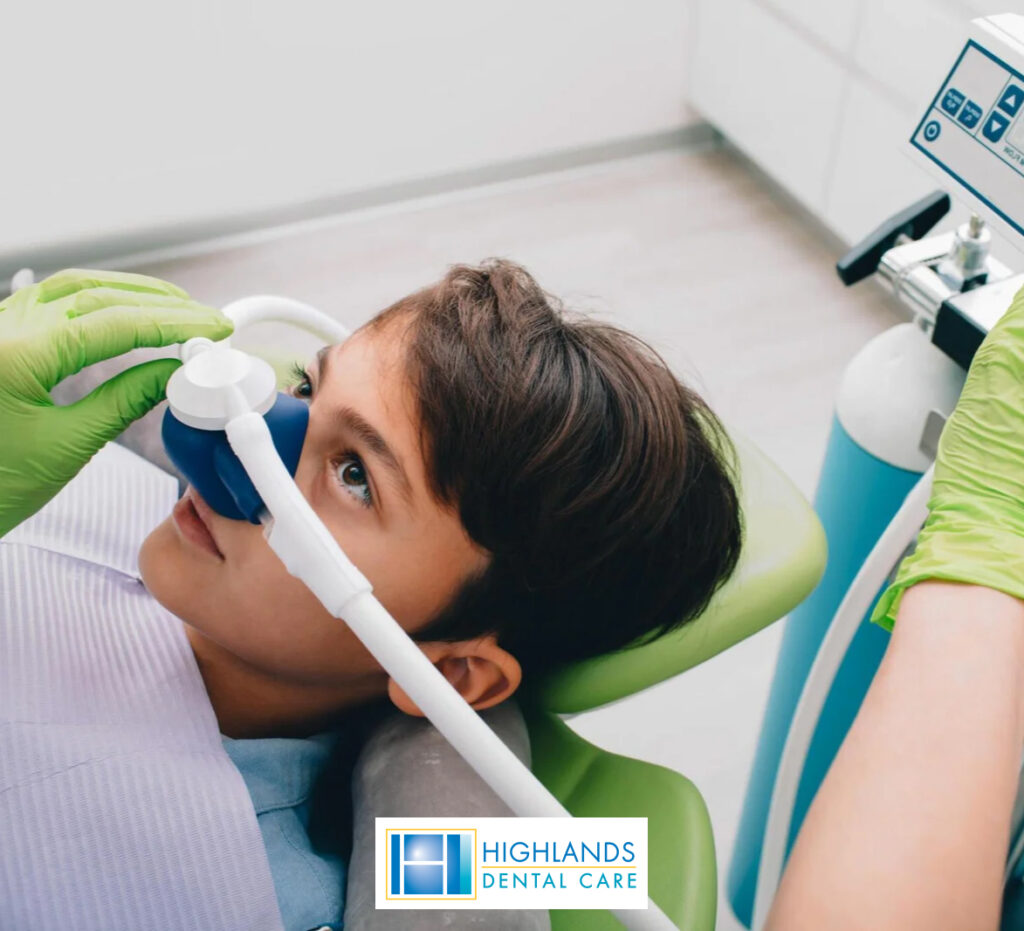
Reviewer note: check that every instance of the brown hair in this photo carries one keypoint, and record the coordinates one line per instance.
(599, 483)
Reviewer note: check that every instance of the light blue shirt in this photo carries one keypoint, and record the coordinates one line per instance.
(280, 773)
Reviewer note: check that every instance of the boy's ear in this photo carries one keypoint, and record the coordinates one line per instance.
(482, 672)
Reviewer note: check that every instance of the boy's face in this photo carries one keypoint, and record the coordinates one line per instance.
(362, 470)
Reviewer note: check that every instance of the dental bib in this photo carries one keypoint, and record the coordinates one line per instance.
(119, 807)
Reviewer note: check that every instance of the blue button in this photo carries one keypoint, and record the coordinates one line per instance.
(951, 102)
(995, 126)
(932, 130)
(1011, 100)
(970, 114)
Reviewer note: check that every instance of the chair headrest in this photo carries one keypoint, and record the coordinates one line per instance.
(782, 560)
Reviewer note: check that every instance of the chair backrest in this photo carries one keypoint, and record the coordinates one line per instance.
(682, 875)
(782, 559)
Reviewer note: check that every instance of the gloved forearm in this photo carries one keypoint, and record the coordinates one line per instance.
(975, 529)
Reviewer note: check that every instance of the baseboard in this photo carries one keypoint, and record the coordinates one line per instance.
(171, 242)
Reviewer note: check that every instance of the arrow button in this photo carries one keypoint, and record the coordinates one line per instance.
(995, 126)
(1011, 100)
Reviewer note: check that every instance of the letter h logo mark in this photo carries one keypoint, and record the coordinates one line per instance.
(435, 864)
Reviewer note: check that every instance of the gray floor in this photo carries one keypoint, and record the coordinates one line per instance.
(694, 252)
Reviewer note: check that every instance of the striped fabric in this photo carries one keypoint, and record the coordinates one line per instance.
(119, 807)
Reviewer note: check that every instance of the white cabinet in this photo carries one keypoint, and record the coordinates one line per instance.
(909, 46)
(873, 176)
(750, 78)
(823, 94)
(834, 22)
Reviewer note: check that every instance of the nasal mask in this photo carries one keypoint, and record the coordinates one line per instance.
(238, 441)
(215, 383)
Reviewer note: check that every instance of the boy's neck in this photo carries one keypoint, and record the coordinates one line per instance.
(249, 702)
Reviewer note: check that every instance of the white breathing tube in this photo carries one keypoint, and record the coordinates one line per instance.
(885, 554)
(311, 554)
(269, 308)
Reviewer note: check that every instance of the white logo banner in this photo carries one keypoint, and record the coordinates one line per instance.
(513, 863)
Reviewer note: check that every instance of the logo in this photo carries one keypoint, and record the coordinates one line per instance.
(511, 863)
(431, 864)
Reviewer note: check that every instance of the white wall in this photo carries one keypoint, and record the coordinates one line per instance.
(124, 116)
(824, 96)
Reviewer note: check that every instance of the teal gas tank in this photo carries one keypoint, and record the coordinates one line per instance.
(872, 461)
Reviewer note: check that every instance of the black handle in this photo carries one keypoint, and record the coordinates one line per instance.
(913, 221)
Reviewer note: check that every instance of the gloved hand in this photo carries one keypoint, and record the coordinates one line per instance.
(975, 529)
(53, 329)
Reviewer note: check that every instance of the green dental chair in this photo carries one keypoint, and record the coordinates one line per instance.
(782, 560)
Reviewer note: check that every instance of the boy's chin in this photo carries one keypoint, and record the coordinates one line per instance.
(162, 568)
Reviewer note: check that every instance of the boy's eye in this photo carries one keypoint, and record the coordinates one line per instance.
(352, 476)
(302, 386)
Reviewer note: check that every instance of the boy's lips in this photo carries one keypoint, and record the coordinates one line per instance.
(192, 518)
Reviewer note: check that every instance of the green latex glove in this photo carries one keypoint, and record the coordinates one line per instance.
(53, 329)
(975, 529)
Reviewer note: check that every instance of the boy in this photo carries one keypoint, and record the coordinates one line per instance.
(521, 489)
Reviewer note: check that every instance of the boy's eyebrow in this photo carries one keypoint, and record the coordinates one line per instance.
(365, 431)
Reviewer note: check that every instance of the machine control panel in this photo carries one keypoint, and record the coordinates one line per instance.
(972, 134)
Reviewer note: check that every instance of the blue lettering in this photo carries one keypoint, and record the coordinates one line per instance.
(631, 881)
(628, 856)
(549, 882)
(570, 851)
(585, 879)
(518, 858)
(614, 856)
(595, 853)
(488, 880)
(518, 881)
(602, 882)
(490, 850)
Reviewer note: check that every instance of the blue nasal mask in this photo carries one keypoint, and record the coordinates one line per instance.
(205, 458)
(200, 396)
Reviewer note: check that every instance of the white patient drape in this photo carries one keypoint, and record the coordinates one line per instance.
(119, 807)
